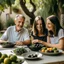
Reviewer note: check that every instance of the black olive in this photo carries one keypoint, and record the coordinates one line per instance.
(35, 55)
(29, 55)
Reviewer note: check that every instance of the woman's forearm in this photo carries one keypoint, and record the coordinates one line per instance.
(59, 45)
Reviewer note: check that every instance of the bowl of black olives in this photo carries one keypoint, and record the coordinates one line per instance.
(32, 55)
(36, 46)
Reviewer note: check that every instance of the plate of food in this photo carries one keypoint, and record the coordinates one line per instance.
(19, 51)
(50, 51)
(32, 55)
(7, 45)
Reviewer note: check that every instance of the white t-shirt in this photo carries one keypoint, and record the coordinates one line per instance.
(12, 35)
(55, 40)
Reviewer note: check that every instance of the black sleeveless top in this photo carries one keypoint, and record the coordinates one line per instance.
(43, 38)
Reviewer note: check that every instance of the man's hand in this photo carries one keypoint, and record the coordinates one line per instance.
(2, 41)
(19, 43)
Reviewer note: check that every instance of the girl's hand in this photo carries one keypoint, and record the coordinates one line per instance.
(35, 41)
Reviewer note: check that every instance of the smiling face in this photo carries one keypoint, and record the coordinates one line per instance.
(19, 23)
(39, 25)
(49, 25)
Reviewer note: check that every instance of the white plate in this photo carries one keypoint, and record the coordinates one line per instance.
(52, 53)
(25, 55)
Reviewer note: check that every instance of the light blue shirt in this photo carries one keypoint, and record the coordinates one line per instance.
(12, 35)
(55, 39)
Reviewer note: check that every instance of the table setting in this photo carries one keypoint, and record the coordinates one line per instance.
(37, 57)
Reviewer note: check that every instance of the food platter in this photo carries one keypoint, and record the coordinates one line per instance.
(32, 55)
(19, 51)
(51, 54)
(50, 51)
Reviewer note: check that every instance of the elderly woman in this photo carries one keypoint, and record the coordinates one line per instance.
(55, 33)
(17, 34)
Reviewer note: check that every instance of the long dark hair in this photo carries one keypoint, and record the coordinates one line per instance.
(35, 31)
(56, 23)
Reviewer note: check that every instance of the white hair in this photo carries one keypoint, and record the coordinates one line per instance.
(19, 15)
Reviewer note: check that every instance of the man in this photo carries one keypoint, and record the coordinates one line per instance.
(17, 34)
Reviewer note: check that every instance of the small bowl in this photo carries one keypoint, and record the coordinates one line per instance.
(35, 47)
(8, 45)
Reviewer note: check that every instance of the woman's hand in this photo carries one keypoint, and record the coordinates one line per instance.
(35, 41)
(38, 41)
